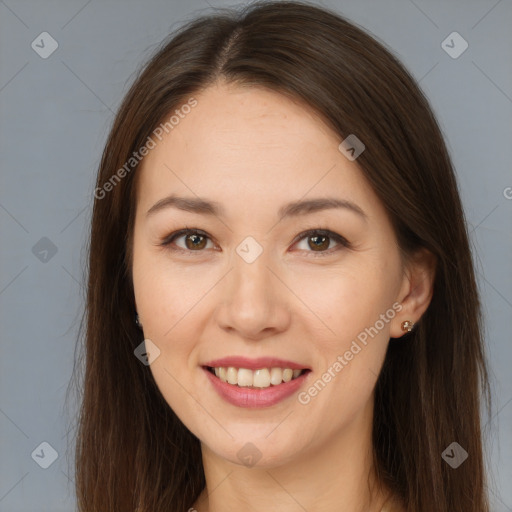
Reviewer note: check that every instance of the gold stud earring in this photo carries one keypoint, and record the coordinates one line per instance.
(407, 325)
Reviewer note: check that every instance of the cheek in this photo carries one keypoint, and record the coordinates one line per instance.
(355, 307)
(165, 300)
(346, 300)
(165, 293)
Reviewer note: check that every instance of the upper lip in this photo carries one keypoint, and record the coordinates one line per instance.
(254, 364)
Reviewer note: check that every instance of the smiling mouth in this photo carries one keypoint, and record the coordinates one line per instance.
(257, 379)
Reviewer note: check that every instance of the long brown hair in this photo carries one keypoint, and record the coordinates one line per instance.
(131, 449)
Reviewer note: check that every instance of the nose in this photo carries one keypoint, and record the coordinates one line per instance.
(254, 303)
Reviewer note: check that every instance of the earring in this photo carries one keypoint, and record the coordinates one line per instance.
(407, 325)
(137, 321)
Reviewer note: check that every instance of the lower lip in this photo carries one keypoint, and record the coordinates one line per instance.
(249, 397)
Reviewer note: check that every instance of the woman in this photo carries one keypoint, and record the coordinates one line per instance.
(282, 310)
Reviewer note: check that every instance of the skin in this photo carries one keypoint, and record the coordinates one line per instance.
(252, 151)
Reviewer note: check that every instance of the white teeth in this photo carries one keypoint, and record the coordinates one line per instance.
(276, 376)
(232, 375)
(261, 378)
(245, 377)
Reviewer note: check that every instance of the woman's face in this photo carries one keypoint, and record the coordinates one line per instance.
(253, 170)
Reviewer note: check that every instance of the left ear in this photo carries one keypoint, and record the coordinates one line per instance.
(416, 290)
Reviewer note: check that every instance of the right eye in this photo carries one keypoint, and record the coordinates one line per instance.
(194, 240)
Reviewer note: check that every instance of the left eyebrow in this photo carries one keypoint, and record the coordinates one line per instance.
(318, 204)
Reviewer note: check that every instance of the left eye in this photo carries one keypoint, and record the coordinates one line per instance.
(317, 240)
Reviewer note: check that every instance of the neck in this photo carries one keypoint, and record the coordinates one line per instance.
(336, 475)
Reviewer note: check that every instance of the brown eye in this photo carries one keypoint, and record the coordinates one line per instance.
(318, 242)
(195, 241)
(321, 241)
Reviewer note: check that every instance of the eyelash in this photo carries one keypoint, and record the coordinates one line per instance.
(343, 242)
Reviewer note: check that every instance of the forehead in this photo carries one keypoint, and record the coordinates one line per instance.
(249, 142)
(232, 122)
(256, 109)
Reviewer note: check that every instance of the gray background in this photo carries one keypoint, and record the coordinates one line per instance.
(55, 115)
